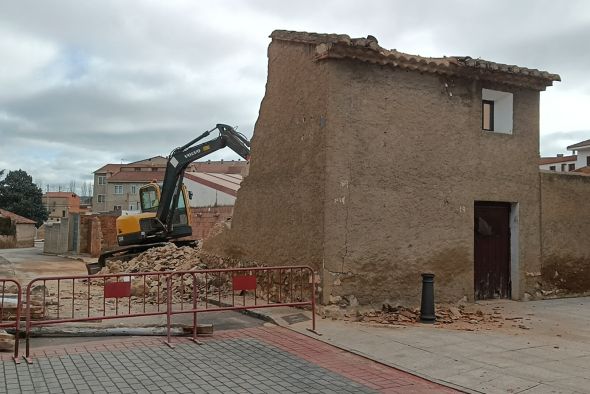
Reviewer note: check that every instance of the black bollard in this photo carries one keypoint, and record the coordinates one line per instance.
(427, 306)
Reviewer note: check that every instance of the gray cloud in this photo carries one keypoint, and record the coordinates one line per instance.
(86, 83)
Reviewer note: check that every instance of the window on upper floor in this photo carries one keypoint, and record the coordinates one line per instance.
(551, 168)
(496, 111)
(588, 160)
(571, 167)
(133, 189)
(118, 189)
(101, 180)
(563, 167)
(101, 198)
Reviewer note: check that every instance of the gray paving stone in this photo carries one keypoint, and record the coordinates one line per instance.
(234, 365)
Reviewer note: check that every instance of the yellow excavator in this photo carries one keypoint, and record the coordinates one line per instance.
(165, 210)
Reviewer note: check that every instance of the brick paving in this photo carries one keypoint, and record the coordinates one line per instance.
(253, 360)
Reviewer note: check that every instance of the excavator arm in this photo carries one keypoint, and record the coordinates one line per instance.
(181, 157)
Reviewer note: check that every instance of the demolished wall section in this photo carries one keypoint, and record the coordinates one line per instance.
(566, 250)
(278, 216)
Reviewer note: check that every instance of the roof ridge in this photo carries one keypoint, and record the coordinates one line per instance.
(337, 46)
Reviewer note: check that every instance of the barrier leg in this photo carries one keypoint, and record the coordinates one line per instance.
(168, 340)
(195, 294)
(313, 329)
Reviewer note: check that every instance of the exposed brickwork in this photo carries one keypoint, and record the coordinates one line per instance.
(205, 218)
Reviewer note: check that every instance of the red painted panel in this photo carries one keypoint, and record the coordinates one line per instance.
(117, 290)
(244, 282)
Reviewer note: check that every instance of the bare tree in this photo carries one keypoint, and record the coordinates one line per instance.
(84, 189)
(72, 186)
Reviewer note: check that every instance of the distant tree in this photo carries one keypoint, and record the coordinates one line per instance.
(20, 195)
(72, 186)
(83, 189)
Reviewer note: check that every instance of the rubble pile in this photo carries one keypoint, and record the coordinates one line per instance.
(444, 315)
(164, 258)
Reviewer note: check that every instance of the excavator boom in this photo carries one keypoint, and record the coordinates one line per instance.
(163, 226)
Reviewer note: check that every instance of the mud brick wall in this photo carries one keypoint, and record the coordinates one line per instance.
(204, 219)
(405, 163)
(7, 241)
(25, 235)
(280, 202)
(369, 173)
(565, 219)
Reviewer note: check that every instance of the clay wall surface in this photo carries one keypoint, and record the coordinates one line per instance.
(7, 241)
(565, 225)
(25, 235)
(405, 162)
(279, 208)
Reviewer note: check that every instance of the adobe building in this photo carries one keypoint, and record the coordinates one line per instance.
(61, 204)
(16, 231)
(374, 166)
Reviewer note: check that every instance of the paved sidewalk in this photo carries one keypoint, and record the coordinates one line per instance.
(266, 359)
(551, 356)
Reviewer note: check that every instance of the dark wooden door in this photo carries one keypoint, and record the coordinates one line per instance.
(492, 250)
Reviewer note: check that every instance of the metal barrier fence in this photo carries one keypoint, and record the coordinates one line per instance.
(214, 290)
(93, 298)
(10, 309)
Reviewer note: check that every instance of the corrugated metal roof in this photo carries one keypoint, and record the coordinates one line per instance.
(226, 183)
(579, 145)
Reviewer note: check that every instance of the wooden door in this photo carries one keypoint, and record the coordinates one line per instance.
(492, 250)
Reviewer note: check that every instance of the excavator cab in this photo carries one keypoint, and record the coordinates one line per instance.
(145, 227)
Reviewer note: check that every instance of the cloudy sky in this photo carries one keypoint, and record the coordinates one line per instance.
(84, 83)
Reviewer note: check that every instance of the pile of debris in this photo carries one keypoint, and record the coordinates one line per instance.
(444, 315)
(164, 258)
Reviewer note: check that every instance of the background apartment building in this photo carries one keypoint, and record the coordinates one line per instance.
(213, 183)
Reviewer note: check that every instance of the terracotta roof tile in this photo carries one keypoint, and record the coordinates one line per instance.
(583, 170)
(339, 46)
(137, 176)
(60, 194)
(551, 160)
(109, 168)
(16, 218)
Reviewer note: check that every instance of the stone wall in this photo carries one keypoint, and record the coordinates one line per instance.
(565, 224)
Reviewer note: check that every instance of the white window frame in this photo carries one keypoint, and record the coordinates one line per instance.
(133, 189)
(102, 180)
(503, 113)
(119, 188)
(101, 198)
